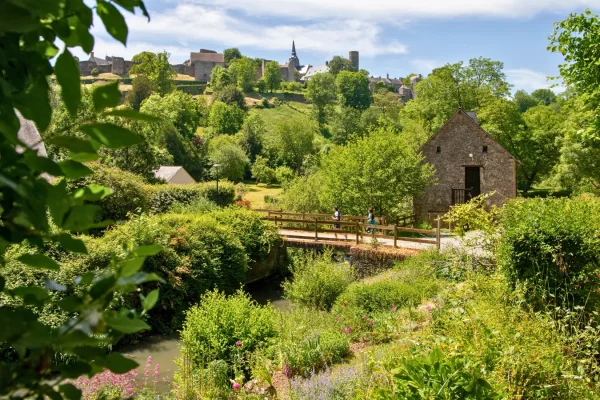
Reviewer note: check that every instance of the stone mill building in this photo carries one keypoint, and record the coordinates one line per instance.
(468, 162)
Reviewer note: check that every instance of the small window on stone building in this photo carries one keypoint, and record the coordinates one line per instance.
(485, 149)
(439, 149)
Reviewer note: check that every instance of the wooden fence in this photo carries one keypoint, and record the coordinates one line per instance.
(352, 227)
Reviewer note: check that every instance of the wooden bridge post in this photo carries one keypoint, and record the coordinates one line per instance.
(438, 235)
(316, 230)
(395, 236)
(357, 232)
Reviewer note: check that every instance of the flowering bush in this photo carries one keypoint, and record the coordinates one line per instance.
(108, 385)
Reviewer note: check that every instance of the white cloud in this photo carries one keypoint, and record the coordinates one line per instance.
(387, 10)
(523, 78)
(173, 29)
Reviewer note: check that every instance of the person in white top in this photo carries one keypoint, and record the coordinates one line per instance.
(337, 216)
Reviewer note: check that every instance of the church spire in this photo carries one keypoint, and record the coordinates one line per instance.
(293, 49)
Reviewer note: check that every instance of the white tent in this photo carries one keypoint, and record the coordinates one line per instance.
(174, 175)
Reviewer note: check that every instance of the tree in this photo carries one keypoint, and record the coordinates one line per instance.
(320, 91)
(178, 108)
(252, 136)
(225, 151)
(380, 171)
(225, 118)
(544, 96)
(353, 90)
(141, 89)
(243, 73)
(230, 94)
(231, 54)
(219, 78)
(272, 75)
(339, 64)
(294, 141)
(406, 81)
(524, 100)
(262, 172)
(156, 67)
(346, 125)
(576, 38)
(48, 215)
(388, 102)
(529, 137)
(261, 85)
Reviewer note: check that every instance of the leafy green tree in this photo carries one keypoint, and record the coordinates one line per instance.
(576, 38)
(272, 75)
(339, 64)
(579, 163)
(406, 81)
(379, 86)
(243, 73)
(381, 171)
(353, 90)
(388, 102)
(262, 172)
(178, 108)
(252, 136)
(141, 89)
(261, 85)
(156, 67)
(219, 78)
(524, 100)
(230, 94)
(294, 141)
(231, 54)
(225, 118)
(529, 137)
(346, 125)
(225, 151)
(45, 214)
(544, 96)
(320, 91)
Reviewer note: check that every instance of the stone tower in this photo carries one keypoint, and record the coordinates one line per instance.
(294, 58)
(354, 59)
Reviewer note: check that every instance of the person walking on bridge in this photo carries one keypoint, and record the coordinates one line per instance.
(337, 216)
(371, 221)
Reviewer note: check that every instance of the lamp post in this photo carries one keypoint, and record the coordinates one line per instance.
(216, 167)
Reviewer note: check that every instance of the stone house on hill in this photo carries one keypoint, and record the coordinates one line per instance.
(468, 162)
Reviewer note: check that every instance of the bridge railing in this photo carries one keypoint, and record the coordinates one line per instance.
(350, 228)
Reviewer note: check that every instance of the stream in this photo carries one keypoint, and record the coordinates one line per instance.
(164, 350)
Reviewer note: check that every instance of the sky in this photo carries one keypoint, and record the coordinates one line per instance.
(394, 37)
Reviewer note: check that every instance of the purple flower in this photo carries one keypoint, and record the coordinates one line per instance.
(286, 370)
(238, 343)
(364, 317)
(236, 386)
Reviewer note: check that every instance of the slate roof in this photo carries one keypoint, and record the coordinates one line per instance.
(100, 61)
(207, 57)
(316, 70)
(473, 116)
(166, 173)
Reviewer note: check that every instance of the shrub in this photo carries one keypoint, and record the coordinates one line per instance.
(128, 195)
(265, 102)
(294, 86)
(261, 85)
(437, 376)
(225, 151)
(226, 328)
(198, 255)
(191, 89)
(285, 175)
(552, 247)
(309, 341)
(317, 281)
(199, 206)
(94, 72)
(230, 95)
(262, 172)
(163, 197)
(225, 118)
(257, 236)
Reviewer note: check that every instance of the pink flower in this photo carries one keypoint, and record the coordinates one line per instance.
(428, 308)
(236, 386)
(364, 317)
(394, 308)
(238, 343)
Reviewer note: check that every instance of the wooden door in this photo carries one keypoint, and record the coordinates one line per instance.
(473, 181)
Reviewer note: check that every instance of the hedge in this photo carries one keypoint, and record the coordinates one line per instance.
(552, 248)
(192, 89)
(132, 195)
(180, 82)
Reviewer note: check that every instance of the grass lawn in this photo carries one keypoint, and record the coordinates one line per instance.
(283, 112)
(256, 193)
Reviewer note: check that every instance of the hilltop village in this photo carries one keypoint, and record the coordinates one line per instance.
(201, 64)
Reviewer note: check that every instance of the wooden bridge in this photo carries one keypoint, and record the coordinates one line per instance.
(321, 229)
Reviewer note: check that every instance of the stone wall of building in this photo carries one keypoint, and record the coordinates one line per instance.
(86, 67)
(460, 138)
(118, 65)
(202, 69)
(184, 69)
